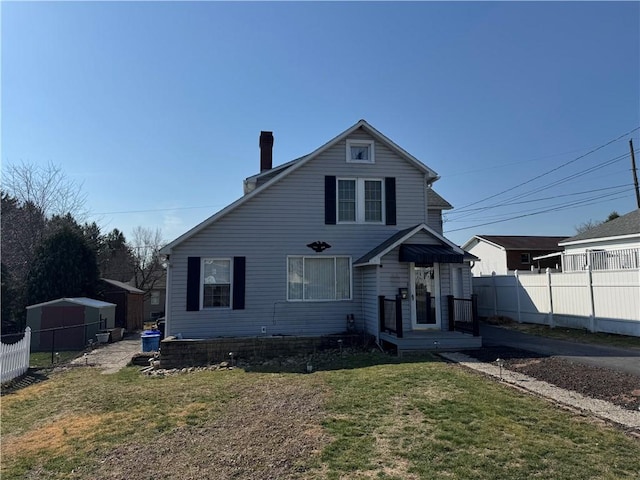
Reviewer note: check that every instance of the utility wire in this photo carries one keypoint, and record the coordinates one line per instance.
(566, 207)
(553, 197)
(557, 206)
(467, 213)
(155, 210)
(553, 169)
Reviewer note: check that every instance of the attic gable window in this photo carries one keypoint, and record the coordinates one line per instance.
(360, 151)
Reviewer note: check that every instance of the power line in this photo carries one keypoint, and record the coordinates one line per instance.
(493, 167)
(467, 213)
(155, 210)
(553, 197)
(553, 169)
(566, 207)
(558, 206)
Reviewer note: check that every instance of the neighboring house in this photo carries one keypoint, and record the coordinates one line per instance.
(612, 245)
(502, 254)
(314, 244)
(154, 303)
(68, 323)
(129, 303)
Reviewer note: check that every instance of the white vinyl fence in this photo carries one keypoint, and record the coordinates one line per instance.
(599, 301)
(14, 358)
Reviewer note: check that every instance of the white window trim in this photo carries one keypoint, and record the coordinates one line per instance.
(360, 201)
(357, 143)
(303, 300)
(202, 260)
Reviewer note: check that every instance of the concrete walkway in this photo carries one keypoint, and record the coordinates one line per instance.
(112, 357)
(613, 358)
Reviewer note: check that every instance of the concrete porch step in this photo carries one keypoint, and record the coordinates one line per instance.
(433, 341)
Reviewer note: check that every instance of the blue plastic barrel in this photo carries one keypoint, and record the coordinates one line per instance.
(150, 340)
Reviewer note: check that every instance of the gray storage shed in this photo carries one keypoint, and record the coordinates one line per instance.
(68, 323)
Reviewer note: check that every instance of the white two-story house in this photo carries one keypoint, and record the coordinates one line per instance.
(346, 238)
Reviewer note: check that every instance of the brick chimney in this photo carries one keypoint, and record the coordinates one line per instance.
(266, 151)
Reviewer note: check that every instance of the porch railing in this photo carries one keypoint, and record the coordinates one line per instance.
(390, 313)
(463, 314)
(619, 259)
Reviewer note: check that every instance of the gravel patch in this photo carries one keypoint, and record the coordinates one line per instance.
(605, 394)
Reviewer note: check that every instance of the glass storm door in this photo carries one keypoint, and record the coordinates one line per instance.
(424, 311)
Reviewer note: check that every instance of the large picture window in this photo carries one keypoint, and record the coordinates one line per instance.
(216, 283)
(360, 200)
(318, 278)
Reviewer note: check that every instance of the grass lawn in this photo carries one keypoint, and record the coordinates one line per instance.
(366, 416)
(43, 359)
(576, 335)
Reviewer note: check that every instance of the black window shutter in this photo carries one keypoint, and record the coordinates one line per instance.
(330, 200)
(238, 282)
(193, 284)
(390, 200)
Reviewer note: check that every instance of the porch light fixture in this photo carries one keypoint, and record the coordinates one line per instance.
(318, 246)
(164, 260)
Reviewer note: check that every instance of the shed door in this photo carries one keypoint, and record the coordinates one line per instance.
(70, 338)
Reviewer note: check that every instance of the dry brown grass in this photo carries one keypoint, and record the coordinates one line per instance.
(56, 437)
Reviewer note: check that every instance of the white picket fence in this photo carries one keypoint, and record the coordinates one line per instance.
(14, 358)
(599, 301)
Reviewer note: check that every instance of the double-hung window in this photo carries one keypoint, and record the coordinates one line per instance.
(318, 278)
(155, 297)
(346, 200)
(360, 200)
(216, 282)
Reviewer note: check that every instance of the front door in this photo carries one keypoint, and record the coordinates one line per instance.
(425, 302)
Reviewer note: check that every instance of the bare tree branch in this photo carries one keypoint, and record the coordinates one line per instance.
(47, 188)
(145, 246)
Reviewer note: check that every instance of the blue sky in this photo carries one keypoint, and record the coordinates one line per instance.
(156, 107)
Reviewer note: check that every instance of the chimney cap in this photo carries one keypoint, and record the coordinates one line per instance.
(266, 136)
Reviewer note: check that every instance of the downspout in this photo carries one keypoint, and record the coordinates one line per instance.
(426, 206)
(167, 297)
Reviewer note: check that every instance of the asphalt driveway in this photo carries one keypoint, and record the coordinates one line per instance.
(613, 358)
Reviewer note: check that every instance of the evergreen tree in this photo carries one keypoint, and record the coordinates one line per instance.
(65, 266)
(8, 301)
(116, 261)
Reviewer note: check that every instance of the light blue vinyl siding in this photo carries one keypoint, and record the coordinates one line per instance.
(280, 221)
(369, 276)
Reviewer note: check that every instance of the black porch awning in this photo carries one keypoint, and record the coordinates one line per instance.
(425, 254)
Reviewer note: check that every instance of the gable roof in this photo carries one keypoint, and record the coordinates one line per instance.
(435, 200)
(292, 166)
(625, 225)
(84, 301)
(519, 242)
(122, 285)
(373, 257)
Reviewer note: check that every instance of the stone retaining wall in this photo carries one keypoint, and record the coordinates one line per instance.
(180, 353)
